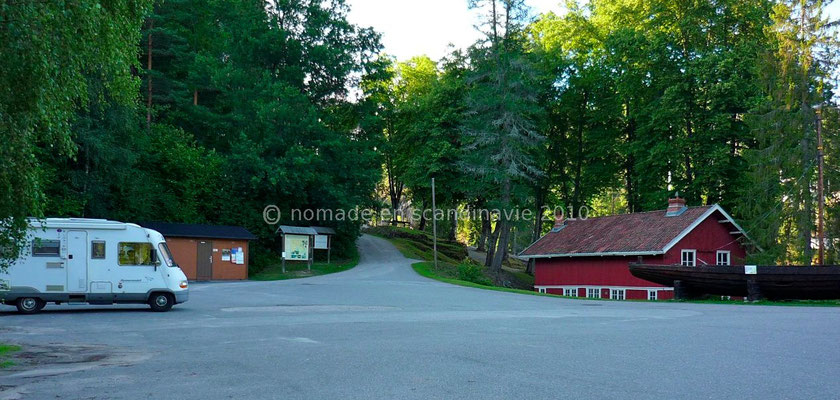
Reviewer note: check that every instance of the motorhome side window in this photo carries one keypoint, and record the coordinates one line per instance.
(135, 253)
(42, 247)
(97, 249)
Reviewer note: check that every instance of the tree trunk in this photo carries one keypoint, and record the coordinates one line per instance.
(491, 245)
(453, 227)
(501, 249)
(504, 232)
(577, 198)
(423, 217)
(485, 233)
(539, 202)
(149, 77)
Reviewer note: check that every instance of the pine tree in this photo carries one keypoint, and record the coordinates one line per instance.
(501, 129)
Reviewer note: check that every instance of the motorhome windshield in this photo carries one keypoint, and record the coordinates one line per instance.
(165, 254)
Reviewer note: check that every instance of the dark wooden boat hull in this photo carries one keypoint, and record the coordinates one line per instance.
(773, 282)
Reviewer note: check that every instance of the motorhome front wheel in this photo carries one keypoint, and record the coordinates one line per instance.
(30, 305)
(161, 302)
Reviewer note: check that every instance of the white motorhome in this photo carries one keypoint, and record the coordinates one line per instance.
(94, 261)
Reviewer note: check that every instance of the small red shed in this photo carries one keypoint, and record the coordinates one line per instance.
(207, 252)
(590, 257)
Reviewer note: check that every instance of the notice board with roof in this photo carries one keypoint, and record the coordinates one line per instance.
(297, 244)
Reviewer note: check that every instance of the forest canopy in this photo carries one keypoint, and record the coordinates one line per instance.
(208, 111)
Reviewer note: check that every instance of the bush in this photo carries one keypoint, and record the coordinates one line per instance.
(472, 273)
(422, 240)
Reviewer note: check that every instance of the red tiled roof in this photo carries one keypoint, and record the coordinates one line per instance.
(637, 232)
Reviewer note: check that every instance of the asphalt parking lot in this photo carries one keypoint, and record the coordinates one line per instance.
(381, 331)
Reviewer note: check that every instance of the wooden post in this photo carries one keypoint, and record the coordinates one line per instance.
(680, 290)
(311, 253)
(753, 290)
(283, 251)
(329, 248)
(820, 192)
(434, 222)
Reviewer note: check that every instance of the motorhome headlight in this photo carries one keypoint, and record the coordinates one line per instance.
(184, 284)
(5, 285)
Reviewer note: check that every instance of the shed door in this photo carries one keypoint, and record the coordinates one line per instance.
(204, 261)
(77, 257)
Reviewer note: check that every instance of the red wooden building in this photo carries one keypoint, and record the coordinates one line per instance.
(589, 258)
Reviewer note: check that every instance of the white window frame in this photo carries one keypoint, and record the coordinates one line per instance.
(683, 260)
(728, 258)
(652, 295)
(542, 290)
(591, 291)
(570, 292)
(618, 294)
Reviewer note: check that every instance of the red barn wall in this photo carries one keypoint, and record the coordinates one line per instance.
(590, 271)
(707, 238)
(185, 251)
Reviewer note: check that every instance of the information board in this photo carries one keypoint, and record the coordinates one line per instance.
(296, 247)
(321, 242)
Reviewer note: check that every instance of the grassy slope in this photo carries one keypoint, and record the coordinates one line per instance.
(427, 269)
(5, 350)
(415, 245)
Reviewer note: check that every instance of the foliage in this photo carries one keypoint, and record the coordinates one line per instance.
(470, 272)
(615, 105)
(47, 58)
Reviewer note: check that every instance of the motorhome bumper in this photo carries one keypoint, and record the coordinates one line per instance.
(181, 297)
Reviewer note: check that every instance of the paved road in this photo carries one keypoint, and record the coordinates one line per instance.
(381, 331)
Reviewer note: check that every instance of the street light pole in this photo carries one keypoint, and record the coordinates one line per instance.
(434, 222)
(820, 191)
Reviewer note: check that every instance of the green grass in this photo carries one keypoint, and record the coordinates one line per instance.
(427, 269)
(5, 351)
(296, 270)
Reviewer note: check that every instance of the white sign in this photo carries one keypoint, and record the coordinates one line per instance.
(240, 256)
(297, 247)
(750, 270)
(321, 242)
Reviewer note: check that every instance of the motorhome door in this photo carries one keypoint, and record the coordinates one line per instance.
(77, 257)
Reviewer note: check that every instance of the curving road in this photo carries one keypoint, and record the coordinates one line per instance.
(381, 331)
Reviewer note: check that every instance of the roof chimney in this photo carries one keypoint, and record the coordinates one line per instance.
(676, 206)
(559, 221)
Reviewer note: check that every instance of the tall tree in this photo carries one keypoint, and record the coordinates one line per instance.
(501, 127)
(794, 72)
(47, 55)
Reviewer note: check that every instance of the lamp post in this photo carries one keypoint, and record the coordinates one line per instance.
(820, 191)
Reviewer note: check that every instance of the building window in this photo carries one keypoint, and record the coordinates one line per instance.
(689, 258)
(41, 247)
(617, 294)
(97, 249)
(652, 294)
(542, 290)
(135, 253)
(593, 293)
(722, 257)
(570, 292)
